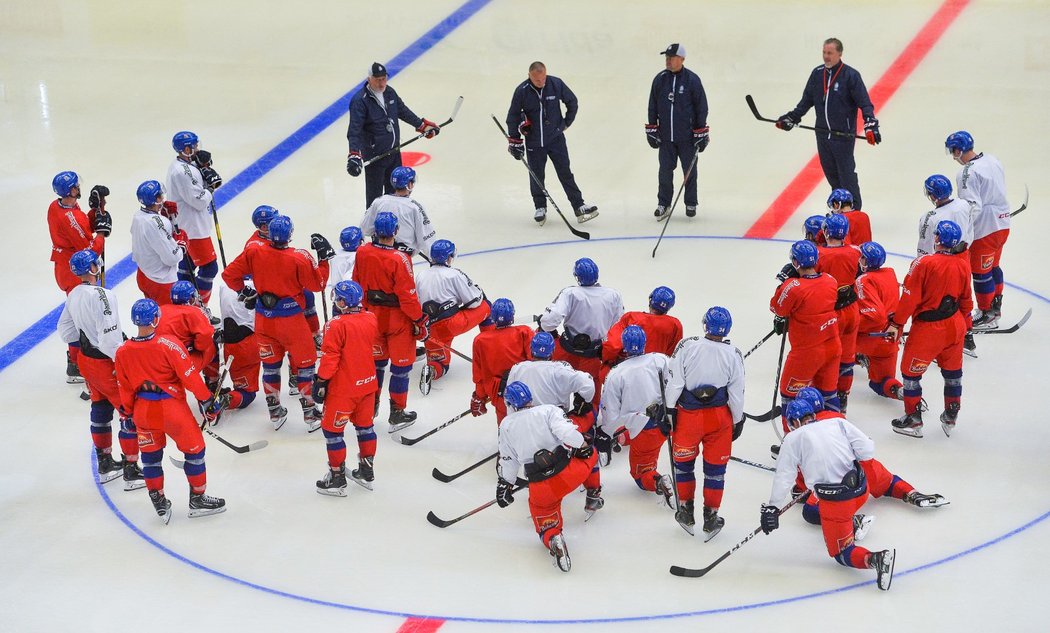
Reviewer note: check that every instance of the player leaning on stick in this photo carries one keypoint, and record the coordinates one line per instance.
(192, 192)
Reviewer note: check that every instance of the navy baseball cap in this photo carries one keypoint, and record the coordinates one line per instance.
(377, 70)
(674, 49)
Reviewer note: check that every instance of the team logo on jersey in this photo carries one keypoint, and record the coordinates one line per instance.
(682, 453)
(794, 385)
(241, 382)
(265, 350)
(342, 418)
(918, 366)
(547, 522)
(987, 261)
(146, 438)
(836, 88)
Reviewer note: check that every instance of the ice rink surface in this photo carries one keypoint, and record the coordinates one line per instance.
(99, 88)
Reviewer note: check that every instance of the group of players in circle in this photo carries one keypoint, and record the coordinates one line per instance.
(564, 401)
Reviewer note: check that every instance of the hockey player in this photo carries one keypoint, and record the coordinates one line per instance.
(841, 201)
(346, 384)
(839, 465)
(814, 232)
(72, 231)
(587, 312)
(632, 406)
(385, 274)
(494, 352)
(937, 298)
(153, 249)
(183, 319)
(843, 263)
(556, 459)
(938, 190)
(662, 331)
(704, 392)
(808, 303)
(154, 373)
(342, 265)
(91, 318)
(415, 233)
(878, 293)
(191, 192)
(240, 345)
(261, 218)
(982, 181)
(453, 303)
(281, 276)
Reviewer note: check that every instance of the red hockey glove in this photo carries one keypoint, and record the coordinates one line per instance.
(701, 137)
(181, 238)
(421, 328)
(477, 405)
(428, 129)
(516, 147)
(170, 209)
(871, 131)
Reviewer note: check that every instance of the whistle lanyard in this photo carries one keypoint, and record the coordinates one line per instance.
(827, 84)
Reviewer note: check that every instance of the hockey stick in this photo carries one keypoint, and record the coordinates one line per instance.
(442, 523)
(324, 306)
(254, 446)
(751, 463)
(754, 111)
(776, 385)
(759, 344)
(451, 117)
(440, 476)
(1024, 205)
(767, 416)
(218, 234)
(667, 219)
(670, 450)
(1010, 330)
(685, 572)
(524, 161)
(410, 441)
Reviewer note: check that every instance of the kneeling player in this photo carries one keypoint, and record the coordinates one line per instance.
(495, 351)
(877, 296)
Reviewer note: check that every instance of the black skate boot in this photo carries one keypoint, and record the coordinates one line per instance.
(73, 376)
(843, 399)
(311, 414)
(333, 483)
(586, 212)
(593, 503)
(969, 345)
(948, 417)
(426, 379)
(665, 487)
(690, 211)
(278, 414)
(985, 319)
(133, 479)
(293, 383)
(712, 523)
(161, 505)
(861, 525)
(909, 424)
(882, 563)
(540, 216)
(201, 505)
(684, 516)
(108, 468)
(997, 306)
(661, 213)
(560, 551)
(364, 474)
(920, 500)
(399, 418)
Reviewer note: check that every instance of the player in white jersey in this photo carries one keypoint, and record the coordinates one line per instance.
(341, 266)
(632, 410)
(939, 191)
(415, 233)
(982, 181)
(705, 401)
(190, 185)
(454, 304)
(153, 249)
(839, 466)
(239, 344)
(91, 318)
(556, 459)
(585, 312)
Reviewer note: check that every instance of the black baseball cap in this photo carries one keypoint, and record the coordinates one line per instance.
(377, 70)
(674, 49)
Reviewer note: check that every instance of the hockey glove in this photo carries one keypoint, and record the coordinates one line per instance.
(212, 179)
(701, 137)
(667, 424)
(787, 272)
(323, 247)
(248, 296)
(738, 428)
(787, 122)
(656, 411)
(652, 135)
(580, 406)
(102, 223)
(525, 127)
(428, 129)
(421, 328)
(319, 391)
(354, 164)
(182, 239)
(213, 408)
(477, 405)
(604, 443)
(202, 158)
(97, 197)
(871, 131)
(504, 493)
(516, 147)
(770, 519)
(583, 452)
(780, 325)
(170, 209)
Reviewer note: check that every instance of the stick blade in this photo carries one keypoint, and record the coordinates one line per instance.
(434, 520)
(440, 476)
(684, 572)
(258, 446)
(409, 441)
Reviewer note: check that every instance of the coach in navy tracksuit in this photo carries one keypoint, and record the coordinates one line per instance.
(374, 129)
(677, 126)
(837, 91)
(535, 113)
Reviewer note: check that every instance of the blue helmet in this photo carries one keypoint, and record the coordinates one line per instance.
(183, 139)
(812, 396)
(182, 292)
(145, 312)
(805, 253)
(717, 321)
(64, 182)
(836, 226)
(840, 197)
(542, 346)
(517, 395)
(633, 339)
(442, 251)
(263, 214)
(349, 292)
(148, 192)
(813, 225)
(503, 312)
(401, 176)
(585, 271)
(280, 229)
(386, 224)
(960, 140)
(661, 299)
(938, 187)
(874, 255)
(83, 261)
(796, 411)
(350, 238)
(948, 233)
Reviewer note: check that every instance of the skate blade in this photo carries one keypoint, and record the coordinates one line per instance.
(541, 222)
(909, 432)
(193, 514)
(564, 563)
(293, 391)
(367, 485)
(936, 503)
(110, 476)
(134, 484)
(970, 353)
(279, 422)
(165, 517)
(984, 327)
(424, 385)
(586, 217)
(947, 428)
(865, 527)
(74, 380)
(885, 580)
(688, 528)
(394, 428)
(713, 533)
(332, 492)
(312, 426)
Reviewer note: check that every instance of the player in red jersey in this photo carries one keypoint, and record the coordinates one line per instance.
(239, 346)
(662, 331)
(153, 373)
(385, 274)
(937, 298)
(878, 293)
(261, 219)
(346, 384)
(185, 321)
(495, 352)
(281, 275)
(843, 263)
(808, 303)
(841, 202)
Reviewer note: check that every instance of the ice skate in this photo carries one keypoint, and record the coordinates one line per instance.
(201, 505)
(684, 516)
(985, 320)
(400, 419)
(318, 339)
(861, 525)
(713, 523)
(560, 551)
(665, 487)
(948, 417)
(278, 414)
(133, 479)
(108, 468)
(997, 306)
(586, 212)
(843, 399)
(862, 360)
(311, 415)
(897, 392)
(293, 384)
(426, 379)
(364, 474)
(73, 376)
(661, 213)
(333, 483)
(541, 215)
(161, 505)
(882, 563)
(920, 500)
(969, 345)
(593, 503)
(909, 424)
(690, 211)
